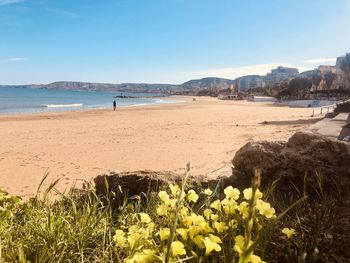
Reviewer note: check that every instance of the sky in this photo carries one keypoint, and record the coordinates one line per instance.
(166, 41)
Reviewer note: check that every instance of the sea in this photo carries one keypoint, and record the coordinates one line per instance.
(14, 100)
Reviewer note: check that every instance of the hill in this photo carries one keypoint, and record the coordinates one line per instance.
(192, 87)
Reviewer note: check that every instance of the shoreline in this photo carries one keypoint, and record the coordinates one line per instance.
(48, 114)
(79, 145)
(78, 109)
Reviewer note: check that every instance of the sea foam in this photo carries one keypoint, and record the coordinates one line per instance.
(63, 105)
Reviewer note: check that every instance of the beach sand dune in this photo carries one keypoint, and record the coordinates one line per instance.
(80, 145)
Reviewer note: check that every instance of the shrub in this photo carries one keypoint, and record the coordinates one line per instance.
(175, 225)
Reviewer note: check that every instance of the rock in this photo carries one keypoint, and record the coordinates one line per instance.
(261, 155)
(133, 183)
(304, 153)
(119, 185)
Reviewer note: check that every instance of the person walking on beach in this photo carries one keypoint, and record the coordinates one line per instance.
(114, 105)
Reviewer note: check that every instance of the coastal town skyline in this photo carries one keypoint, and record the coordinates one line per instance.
(165, 42)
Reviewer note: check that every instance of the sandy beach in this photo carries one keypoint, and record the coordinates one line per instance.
(80, 145)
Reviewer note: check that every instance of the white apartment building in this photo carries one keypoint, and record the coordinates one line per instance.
(280, 74)
(249, 82)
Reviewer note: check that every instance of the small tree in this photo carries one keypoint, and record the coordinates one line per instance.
(316, 79)
(329, 77)
(298, 85)
(345, 64)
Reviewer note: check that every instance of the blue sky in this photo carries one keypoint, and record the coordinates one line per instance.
(166, 41)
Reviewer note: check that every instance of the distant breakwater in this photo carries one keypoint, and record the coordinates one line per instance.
(138, 97)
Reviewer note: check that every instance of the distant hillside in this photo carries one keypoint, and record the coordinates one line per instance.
(208, 83)
(125, 87)
(209, 86)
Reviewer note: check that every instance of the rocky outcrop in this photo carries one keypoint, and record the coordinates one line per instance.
(117, 186)
(304, 153)
(133, 183)
(289, 162)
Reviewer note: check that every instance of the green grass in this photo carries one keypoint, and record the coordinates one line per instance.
(82, 227)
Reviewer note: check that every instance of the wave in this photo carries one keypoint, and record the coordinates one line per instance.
(63, 105)
(138, 105)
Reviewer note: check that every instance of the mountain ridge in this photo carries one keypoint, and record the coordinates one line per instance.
(194, 85)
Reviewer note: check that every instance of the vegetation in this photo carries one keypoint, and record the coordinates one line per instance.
(297, 86)
(329, 77)
(342, 107)
(177, 224)
(345, 63)
(316, 79)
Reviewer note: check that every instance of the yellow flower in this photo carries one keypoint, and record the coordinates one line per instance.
(192, 196)
(207, 213)
(214, 217)
(220, 226)
(243, 209)
(208, 192)
(164, 197)
(239, 244)
(162, 210)
(183, 215)
(133, 229)
(182, 232)
(215, 239)
(174, 189)
(229, 206)
(197, 219)
(186, 220)
(134, 239)
(198, 240)
(184, 211)
(119, 238)
(172, 202)
(289, 232)
(193, 231)
(145, 256)
(216, 205)
(265, 209)
(248, 194)
(231, 193)
(211, 243)
(164, 233)
(177, 249)
(255, 259)
(205, 227)
(145, 218)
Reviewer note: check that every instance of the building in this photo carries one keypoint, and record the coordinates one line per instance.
(340, 82)
(281, 74)
(249, 82)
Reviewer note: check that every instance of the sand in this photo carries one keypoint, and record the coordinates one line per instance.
(79, 145)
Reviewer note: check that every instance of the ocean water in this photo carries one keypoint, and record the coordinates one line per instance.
(24, 100)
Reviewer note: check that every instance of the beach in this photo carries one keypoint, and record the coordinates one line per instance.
(76, 146)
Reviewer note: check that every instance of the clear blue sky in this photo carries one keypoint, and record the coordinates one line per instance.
(167, 41)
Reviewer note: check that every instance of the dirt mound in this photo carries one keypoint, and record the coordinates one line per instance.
(133, 183)
(117, 186)
(304, 153)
